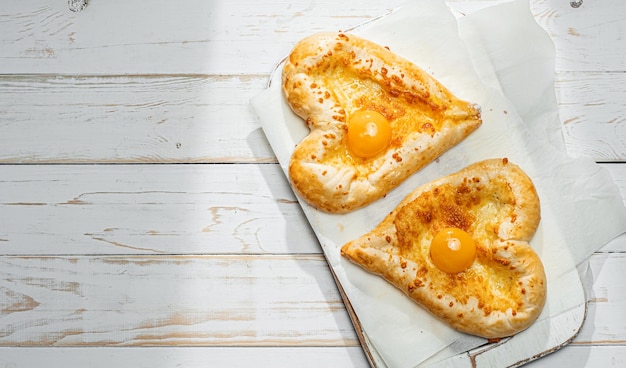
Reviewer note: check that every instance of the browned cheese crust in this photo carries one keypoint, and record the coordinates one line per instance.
(329, 76)
(504, 290)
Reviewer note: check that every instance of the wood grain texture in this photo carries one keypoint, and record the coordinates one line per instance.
(199, 37)
(583, 43)
(591, 107)
(147, 119)
(194, 357)
(171, 300)
(150, 209)
(189, 37)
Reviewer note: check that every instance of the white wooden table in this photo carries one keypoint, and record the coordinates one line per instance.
(144, 220)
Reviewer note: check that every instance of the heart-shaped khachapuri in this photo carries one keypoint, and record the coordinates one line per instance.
(374, 117)
(458, 246)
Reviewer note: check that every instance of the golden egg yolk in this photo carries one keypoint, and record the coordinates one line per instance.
(452, 250)
(369, 133)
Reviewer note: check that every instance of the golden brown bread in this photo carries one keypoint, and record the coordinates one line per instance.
(504, 290)
(329, 76)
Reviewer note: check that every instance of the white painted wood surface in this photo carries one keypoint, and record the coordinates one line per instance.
(143, 218)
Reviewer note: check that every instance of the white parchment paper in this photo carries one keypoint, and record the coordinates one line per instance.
(501, 59)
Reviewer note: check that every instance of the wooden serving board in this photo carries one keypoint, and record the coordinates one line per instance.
(564, 313)
(515, 351)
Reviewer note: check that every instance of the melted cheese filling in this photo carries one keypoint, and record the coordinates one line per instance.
(477, 209)
(355, 91)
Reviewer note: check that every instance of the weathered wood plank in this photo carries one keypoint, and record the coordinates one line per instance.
(206, 37)
(591, 108)
(233, 300)
(219, 37)
(587, 38)
(196, 357)
(150, 209)
(60, 119)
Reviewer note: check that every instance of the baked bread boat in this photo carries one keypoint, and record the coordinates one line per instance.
(501, 290)
(374, 118)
